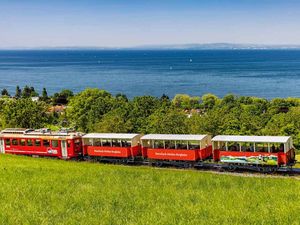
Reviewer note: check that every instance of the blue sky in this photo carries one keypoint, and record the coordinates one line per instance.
(118, 23)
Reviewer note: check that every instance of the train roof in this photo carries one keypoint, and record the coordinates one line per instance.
(111, 135)
(256, 139)
(174, 137)
(45, 132)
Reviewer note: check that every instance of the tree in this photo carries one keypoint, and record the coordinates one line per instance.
(230, 125)
(165, 101)
(44, 95)
(62, 98)
(171, 121)
(4, 92)
(24, 113)
(18, 92)
(286, 124)
(197, 124)
(245, 100)
(164, 97)
(278, 105)
(184, 101)
(26, 93)
(141, 108)
(209, 123)
(33, 93)
(115, 121)
(251, 120)
(209, 101)
(260, 105)
(121, 97)
(229, 100)
(87, 108)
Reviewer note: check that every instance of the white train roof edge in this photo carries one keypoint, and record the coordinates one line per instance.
(255, 139)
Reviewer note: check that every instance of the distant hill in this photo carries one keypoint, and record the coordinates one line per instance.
(207, 46)
(216, 46)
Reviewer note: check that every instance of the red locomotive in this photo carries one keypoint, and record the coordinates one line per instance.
(64, 144)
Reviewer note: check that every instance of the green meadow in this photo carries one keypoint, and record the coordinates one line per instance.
(46, 191)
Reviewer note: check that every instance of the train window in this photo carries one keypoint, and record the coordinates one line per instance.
(29, 142)
(158, 144)
(126, 143)
(145, 143)
(14, 142)
(46, 143)
(116, 143)
(22, 142)
(182, 144)
(97, 142)
(222, 146)
(89, 142)
(261, 147)
(54, 143)
(106, 143)
(281, 147)
(274, 147)
(37, 142)
(69, 143)
(233, 146)
(7, 142)
(194, 145)
(247, 147)
(77, 143)
(170, 144)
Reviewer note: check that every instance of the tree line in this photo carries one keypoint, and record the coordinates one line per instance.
(29, 92)
(94, 110)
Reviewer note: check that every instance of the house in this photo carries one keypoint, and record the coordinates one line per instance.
(57, 109)
(35, 99)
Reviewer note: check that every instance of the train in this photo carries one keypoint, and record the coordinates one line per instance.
(230, 152)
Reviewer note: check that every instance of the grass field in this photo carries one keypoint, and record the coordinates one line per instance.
(298, 161)
(44, 191)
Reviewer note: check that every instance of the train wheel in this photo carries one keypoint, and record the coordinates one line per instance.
(221, 169)
(269, 169)
(158, 164)
(231, 168)
(260, 169)
(185, 166)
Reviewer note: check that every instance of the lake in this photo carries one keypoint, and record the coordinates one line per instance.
(263, 73)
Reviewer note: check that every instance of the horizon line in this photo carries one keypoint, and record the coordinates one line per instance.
(213, 45)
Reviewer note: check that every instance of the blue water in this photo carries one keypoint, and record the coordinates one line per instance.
(263, 73)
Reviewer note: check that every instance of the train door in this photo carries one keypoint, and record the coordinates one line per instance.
(2, 150)
(64, 150)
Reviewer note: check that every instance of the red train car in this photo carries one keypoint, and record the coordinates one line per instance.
(111, 145)
(176, 147)
(263, 151)
(64, 144)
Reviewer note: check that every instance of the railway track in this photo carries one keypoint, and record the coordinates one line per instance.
(221, 168)
(216, 168)
(282, 171)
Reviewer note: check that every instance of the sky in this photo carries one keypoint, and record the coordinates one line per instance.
(127, 23)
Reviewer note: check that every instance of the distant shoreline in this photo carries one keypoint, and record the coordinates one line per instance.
(208, 46)
(133, 49)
